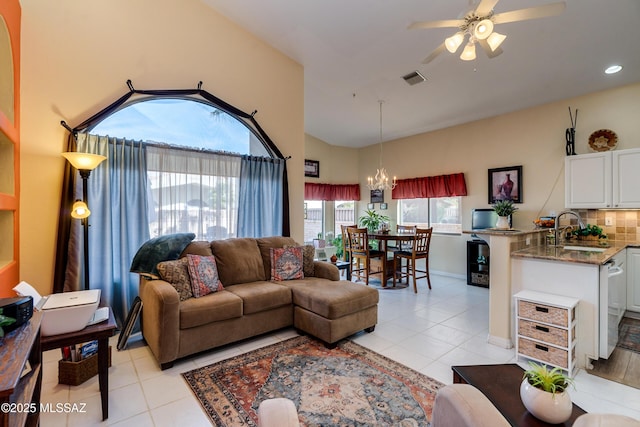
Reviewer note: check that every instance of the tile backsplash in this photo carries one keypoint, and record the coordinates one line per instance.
(625, 223)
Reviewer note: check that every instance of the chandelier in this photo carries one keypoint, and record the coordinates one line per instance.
(381, 180)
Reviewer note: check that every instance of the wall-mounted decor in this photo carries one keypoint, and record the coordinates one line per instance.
(312, 168)
(371, 206)
(505, 184)
(377, 196)
(383, 206)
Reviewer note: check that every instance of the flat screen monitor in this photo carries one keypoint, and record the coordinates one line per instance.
(484, 218)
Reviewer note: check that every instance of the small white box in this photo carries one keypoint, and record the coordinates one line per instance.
(68, 311)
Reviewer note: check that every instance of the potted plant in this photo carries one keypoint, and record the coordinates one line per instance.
(589, 232)
(503, 208)
(544, 393)
(372, 220)
(5, 321)
(319, 242)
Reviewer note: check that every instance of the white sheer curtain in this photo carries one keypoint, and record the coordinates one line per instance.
(193, 191)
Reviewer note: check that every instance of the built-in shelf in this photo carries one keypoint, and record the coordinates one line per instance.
(6, 242)
(7, 153)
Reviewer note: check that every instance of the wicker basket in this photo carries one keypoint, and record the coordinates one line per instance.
(75, 373)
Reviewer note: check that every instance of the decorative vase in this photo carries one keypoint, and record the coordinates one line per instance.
(334, 259)
(553, 408)
(503, 223)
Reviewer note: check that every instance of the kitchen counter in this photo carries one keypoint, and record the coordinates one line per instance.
(508, 232)
(558, 253)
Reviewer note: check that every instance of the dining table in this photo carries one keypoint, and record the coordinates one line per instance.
(384, 238)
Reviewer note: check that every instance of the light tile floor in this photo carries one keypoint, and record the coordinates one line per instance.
(429, 332)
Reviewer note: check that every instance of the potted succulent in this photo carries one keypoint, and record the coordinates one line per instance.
(503, 208)
(544, 393)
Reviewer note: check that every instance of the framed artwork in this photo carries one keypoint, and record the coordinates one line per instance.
(383, 206)
(505, 184)
(377, 196)
(312, 168)
(371, 206)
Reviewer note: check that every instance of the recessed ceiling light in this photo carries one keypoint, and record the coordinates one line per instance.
(613, 69)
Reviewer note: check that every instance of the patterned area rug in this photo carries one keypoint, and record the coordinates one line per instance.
(629, 334)
(346, 386)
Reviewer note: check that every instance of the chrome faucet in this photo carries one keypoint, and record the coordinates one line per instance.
(557, 223)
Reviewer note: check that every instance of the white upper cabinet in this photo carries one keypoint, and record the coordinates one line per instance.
(603, 180)
(587, 181)
(626, 178)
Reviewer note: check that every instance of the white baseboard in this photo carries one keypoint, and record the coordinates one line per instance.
(499, 342)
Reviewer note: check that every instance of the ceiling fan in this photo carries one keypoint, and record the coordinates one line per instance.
(478, 24)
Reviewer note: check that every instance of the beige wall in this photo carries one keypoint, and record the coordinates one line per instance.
(338, 165)
(76, 58)
(533, 138)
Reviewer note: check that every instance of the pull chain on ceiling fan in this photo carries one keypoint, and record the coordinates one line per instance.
(478, 25)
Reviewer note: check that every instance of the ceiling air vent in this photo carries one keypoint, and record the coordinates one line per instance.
(414, 78)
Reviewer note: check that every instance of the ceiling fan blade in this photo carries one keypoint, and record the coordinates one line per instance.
(436, 24)
(550, 9)
(437, 51)
(487, 49)
(485, 7)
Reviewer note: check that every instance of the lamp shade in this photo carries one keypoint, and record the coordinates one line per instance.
(80, 210)
(495, 40)
(453, 43)
(83, 161)
(469, 52)
(483, 29)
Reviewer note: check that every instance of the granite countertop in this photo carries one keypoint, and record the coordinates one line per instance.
(558, 253)
(508, 232)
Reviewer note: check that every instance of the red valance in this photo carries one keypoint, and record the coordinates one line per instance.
(430, 186)
(331, 192)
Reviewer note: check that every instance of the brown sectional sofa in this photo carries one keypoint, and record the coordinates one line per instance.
(251, 304)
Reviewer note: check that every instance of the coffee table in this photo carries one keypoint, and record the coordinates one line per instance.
(501, 385)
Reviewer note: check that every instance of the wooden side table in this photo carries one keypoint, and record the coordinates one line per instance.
(100, 331)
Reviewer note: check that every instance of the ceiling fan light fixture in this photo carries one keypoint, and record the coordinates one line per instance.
(453, 43)
(495, 40)
(469, 52)
(483, 29)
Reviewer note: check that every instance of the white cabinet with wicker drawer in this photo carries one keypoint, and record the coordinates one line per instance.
(546, 328)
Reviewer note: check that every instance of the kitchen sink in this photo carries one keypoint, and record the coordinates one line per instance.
(583, 248)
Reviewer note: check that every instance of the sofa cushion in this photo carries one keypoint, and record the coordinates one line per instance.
(286, 263)
(177, 274)
(222, 305)
(197, 248)
(265, 244)
(308, 252)
(238, 260)
(158, 249)
(331, 300)
(204, 275)
(261, 296)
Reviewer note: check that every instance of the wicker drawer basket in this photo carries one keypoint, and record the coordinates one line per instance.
(75, 373)
(540, 332)
(549, 354)
(545, 313)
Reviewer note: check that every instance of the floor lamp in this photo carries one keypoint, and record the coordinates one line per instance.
(84, 163)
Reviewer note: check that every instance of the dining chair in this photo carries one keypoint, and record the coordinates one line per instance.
(419, 250)
(360, 251)
(346, 247)
(402, 244)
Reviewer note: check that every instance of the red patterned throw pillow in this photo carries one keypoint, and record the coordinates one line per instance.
(204, 275)
(286, 264)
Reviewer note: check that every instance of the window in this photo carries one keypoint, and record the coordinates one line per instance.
(193, 162)
(313, 219)
(442, 213)
(344, 214)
